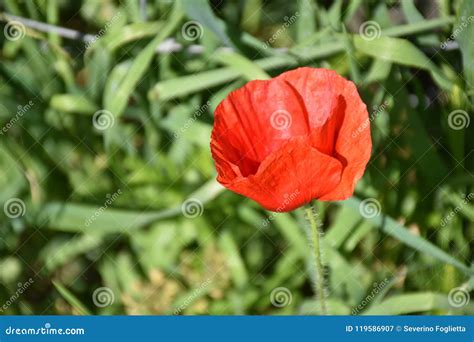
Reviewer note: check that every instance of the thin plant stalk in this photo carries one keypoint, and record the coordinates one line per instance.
(315, 241)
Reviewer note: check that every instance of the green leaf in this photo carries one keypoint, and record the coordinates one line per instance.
(306, 23)
(393, 228)
(98, 62)
(358, 234)
(251, 15)
(352, 9)
(249, 69)
(234, 260)
(410, 303)
(414, 16)
(201, 11)
(400, 51)
(116, 78)
(431, 165)
(465, 27)
(68, 103)
(379, 71)
(74, 217)
(415, 28)
(411, 12)
(341, 227)
(116, 102)
(461, 204)
(71, 299)
(130, 33)
(185, 85)
(334, 15)
(61, 251)
(334, 307)
(351, 58)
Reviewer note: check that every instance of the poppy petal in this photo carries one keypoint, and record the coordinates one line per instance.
(353, 150)
(256, 120)
(291, 177)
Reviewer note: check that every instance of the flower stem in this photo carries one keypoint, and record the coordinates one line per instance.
(315, 241)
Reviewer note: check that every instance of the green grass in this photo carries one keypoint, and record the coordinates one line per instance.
(103, 208)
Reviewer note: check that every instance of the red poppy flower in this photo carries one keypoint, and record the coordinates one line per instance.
(300, 136)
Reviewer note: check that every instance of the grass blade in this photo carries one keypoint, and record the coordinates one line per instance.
(71, 299)
(391, 227)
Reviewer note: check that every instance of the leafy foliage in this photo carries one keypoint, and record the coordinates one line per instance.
(104, 141)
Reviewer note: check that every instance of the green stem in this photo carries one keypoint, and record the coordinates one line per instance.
(316, 242)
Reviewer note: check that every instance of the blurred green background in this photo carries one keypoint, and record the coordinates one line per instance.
(108, 189)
